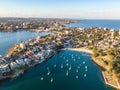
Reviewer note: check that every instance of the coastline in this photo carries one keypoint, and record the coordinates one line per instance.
(104, 75)
(81, 50)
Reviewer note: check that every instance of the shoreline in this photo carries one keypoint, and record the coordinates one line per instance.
(80, 50)
(107, 82)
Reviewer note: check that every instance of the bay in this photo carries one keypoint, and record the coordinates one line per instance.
(32, 79)
(8, 39)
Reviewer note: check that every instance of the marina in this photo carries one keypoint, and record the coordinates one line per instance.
(38, 77)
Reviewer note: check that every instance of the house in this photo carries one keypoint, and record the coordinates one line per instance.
(20, 62)
(13, 65)
(4, 68)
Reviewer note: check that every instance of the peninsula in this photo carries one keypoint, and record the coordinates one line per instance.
(102, 43)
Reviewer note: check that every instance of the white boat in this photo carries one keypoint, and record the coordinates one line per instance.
(85, 75)
(67, 73)
(70, 67)
(83, 62)
(77, 70)
(86, 67)
(76, 77)
(67, 64)
(51, 80)
(61, 65)
(42, 78)
(48, 73)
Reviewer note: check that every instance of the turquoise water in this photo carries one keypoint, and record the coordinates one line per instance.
(32, 79)
(8, 39)
(110, 24)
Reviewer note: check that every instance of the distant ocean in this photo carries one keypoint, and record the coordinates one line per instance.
(110, 24)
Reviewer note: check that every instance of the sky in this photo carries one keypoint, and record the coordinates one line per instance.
(82, 9)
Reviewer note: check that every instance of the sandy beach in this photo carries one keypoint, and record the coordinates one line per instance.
(81, 50)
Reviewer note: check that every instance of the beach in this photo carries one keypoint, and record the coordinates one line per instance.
(83, 49)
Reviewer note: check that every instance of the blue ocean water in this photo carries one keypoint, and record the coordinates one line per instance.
(110, 24)
(89, 78)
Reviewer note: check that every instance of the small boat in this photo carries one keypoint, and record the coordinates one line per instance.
(70, 67)
(86, 67)
(42, 78)
(76, 77)
(83, 62)
(77, 70)
(61, 65)
(67, 64)
(48, 73)
(51, 80)
(67, 73)
(85, 75)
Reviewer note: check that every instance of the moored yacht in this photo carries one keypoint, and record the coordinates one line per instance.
(51, 80)
(42, 78)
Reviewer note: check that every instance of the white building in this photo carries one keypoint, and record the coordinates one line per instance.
(4, 68)
(20, 62)
(13, 65)
(22, 45)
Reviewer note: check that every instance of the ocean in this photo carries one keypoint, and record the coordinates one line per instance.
(110, 24)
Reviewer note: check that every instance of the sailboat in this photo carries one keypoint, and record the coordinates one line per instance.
(61, 65)
(67, 73)
(48, 73)
(84, 75)
(83, 62)
(76, 77)
(70, 67)
(67, 64)
(42, 78)
(77, 70)
(85, 66)
(51, 80)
